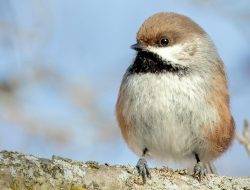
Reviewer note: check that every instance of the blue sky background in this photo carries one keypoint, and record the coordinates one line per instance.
(84, 46)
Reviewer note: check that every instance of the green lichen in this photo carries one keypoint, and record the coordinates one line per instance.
(14, 186)
(78, 187)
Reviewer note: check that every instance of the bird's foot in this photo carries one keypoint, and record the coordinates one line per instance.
(143, 170)
(200, 172)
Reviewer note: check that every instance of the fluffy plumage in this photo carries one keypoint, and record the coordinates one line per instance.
(176, 116)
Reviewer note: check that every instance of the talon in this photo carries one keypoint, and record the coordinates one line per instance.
(143, 170)
(200, 172)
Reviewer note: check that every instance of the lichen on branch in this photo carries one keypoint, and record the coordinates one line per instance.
(25, 172)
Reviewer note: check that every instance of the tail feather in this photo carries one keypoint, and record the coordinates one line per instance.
(210, 168)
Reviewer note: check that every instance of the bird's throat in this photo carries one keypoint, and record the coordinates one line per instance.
(148, 62)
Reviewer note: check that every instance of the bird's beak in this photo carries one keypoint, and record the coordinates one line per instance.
(137, 47)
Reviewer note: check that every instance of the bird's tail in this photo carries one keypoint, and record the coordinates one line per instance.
(210, 168)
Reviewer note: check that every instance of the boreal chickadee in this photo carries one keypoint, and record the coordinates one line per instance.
(173, 102)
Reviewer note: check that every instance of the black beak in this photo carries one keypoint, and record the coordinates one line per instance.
(136, 47)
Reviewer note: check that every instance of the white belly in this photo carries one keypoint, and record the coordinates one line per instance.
(166, 114)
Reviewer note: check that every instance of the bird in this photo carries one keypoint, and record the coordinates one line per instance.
(173, 102)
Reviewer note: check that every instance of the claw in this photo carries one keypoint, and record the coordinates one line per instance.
(143, 170)
(200, 172)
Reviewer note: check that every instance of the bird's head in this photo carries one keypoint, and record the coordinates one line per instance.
(175, 39)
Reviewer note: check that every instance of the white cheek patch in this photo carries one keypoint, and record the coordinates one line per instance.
(172, 53)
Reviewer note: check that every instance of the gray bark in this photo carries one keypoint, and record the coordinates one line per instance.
(25, 172)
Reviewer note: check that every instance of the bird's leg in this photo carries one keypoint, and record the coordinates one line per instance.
(200, 171)
(142, 167)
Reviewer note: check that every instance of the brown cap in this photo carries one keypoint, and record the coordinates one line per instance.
(177, 28)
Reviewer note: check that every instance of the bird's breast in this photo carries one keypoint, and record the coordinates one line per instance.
(165, 113)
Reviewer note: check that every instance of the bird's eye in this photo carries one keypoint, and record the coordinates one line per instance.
(164, 42)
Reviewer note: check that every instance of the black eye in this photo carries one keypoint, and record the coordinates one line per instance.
(164, 42)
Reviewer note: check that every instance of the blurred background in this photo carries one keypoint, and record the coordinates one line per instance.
(61, 64)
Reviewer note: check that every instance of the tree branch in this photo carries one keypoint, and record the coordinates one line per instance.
(244, 139)
(20, 171)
